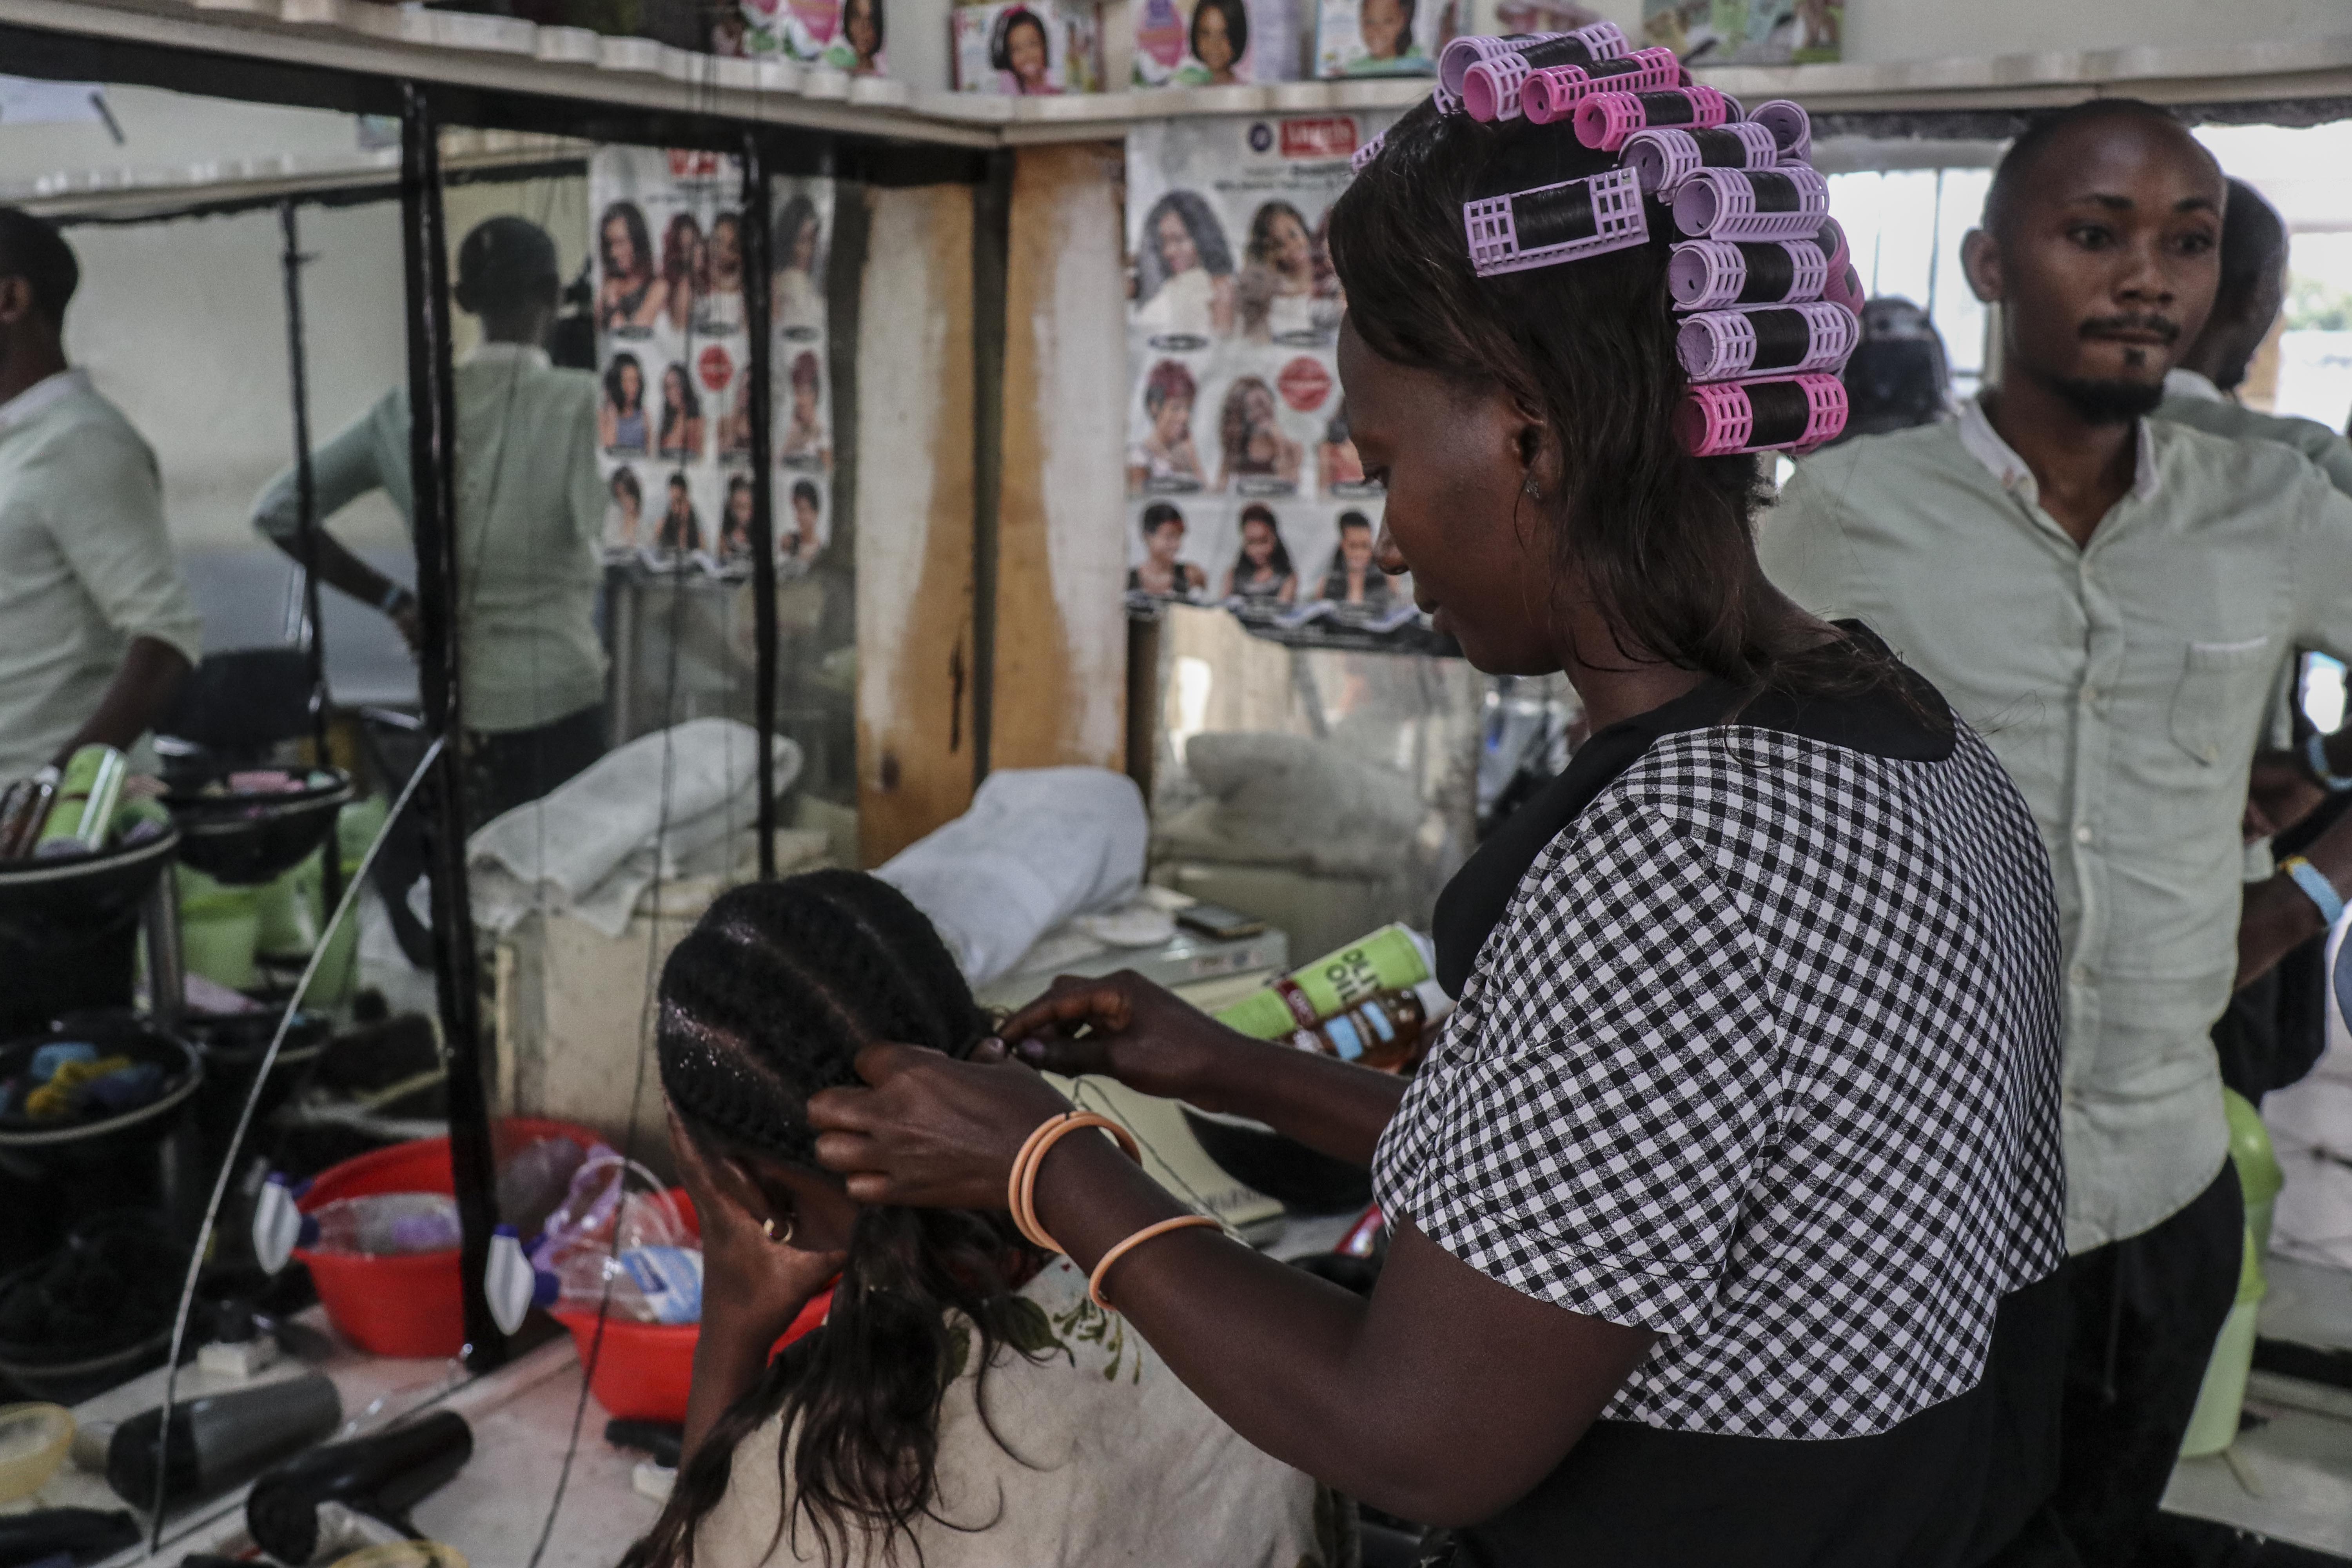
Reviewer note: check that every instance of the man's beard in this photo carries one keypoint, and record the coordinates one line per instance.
(2098, 402)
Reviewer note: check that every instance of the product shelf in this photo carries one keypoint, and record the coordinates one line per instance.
(505, 54)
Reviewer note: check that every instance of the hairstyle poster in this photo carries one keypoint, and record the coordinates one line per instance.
(1747, 32)
(1384, 37)
(1215, 43)
(1027, 48)
(1244, 486)
(842, 35)
(674, 354)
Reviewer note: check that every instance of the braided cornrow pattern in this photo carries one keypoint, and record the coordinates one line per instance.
(768, 1001)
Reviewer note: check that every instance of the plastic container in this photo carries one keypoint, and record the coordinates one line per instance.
(644, 1371)
(412, 1306)
(34, 1439)
(384, 1224)
(2214, 1426)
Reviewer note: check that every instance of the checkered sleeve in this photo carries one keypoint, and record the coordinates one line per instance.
(1590, 1129)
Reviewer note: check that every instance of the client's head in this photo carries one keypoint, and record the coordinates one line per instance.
(767, 1002)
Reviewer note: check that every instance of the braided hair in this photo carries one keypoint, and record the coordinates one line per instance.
(767, 1001)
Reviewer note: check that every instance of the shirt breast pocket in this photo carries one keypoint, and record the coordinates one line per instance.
(2222, 693)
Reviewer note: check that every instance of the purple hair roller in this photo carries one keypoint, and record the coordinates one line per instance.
(1364, 155)
(1554, 92)
(1662, 160)
(1605, 119)
(1791, 128)
(1722, 344)
(1710, 274)
(1552, 224)
(1724, 418)
(1443, 102)
(1786, 203)
(1601, 41)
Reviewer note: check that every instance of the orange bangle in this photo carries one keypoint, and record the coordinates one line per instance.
(1182, 1222)
(1021, 1189)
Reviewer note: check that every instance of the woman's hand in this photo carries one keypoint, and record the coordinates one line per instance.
(931, 1131)
(747, 1279)
(1138, 1033)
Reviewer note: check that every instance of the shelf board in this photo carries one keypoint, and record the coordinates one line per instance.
(499, 53)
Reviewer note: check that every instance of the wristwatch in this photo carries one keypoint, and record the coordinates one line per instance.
(2315, 757)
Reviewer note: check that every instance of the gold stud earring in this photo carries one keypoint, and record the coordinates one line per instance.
(768, 1229)
(1529, 488)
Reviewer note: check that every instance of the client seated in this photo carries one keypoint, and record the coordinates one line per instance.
(965, 1404)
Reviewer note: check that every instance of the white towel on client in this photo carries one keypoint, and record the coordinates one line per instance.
(1038, 845)
(588, 847)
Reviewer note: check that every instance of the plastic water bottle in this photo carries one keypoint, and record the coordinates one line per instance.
(535, 1181)
(384, 1224)
(649, 1284)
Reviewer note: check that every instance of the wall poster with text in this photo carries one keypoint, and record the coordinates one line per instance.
(1244, 486)
(673, 351)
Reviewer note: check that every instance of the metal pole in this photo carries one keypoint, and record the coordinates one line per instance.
(306, 523)
(758, 274)
(432, 455)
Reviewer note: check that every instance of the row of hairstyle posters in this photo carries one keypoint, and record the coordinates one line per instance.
(673, 351)
(1244, 486)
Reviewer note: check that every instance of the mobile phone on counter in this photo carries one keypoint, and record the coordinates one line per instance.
(1216, 920)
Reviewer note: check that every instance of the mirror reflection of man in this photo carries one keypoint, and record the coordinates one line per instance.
(531, 520)
(96, 626)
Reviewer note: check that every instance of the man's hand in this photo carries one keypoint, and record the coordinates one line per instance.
(2280, 792)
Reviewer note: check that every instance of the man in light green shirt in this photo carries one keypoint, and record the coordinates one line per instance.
(2201, 388)
(2109, 599)
(96, 626)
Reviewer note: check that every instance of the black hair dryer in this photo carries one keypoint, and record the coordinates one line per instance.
(346, 1495)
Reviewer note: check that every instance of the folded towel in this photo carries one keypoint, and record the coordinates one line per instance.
(589, 845)
(1038, 845)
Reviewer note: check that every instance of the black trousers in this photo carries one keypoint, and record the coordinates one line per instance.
(2145, 1311)
(503, 769)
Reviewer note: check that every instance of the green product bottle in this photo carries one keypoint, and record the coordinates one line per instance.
(1389, 959)
(84, 807)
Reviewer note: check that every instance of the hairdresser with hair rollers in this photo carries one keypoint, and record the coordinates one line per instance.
(1724, 1208)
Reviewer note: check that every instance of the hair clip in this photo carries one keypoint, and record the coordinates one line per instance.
(1605, 120)
(1724, 418)
(1790, 127)
(1601, 41)
(1552, 224)
(1710, 274)
(1663, 160)
(1719, 345)
(1362, 156)
(1554, 92)
(1786, 203)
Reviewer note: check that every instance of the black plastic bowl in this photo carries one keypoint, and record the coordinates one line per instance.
(1282, 1168)
(68, 1371)
(231, 1046)
(243, 840)
(67, 928)
(85, 1154)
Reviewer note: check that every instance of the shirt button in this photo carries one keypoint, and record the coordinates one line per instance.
(2090, 695)
(2080, 974)
(2082, 834)
(2212, 753)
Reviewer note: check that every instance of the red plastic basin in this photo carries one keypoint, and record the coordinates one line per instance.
(642, 1371)
(412, 1305)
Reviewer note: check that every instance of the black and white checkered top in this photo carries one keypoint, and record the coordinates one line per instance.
(1762, 1056)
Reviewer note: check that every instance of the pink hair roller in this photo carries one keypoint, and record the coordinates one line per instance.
(1724, 418)
(1710, 274)
(1844, 289)
(1554, 92)
(1552, 224)
(1601, 41)
(1791, 126)
(1663, 160)
(1362, 156)
(1786, 203)
(1605, 119)
(1722, 344)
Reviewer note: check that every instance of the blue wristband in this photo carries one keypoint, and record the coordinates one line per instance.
(2315, 888)
(2315, 757)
